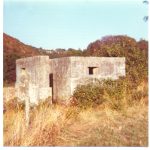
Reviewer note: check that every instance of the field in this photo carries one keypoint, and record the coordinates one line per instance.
(55, 125)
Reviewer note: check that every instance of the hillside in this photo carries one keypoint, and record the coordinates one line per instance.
(14, 49)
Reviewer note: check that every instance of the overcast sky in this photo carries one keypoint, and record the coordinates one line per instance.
(73, 23)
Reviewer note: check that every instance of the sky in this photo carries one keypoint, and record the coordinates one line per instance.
(52, 24)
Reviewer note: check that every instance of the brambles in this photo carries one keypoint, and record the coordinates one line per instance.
(116, 94)
(106, 91)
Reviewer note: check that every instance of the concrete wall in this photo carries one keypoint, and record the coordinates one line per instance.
(61, 69)
(38, 69)
(67, 73)
(103, 68)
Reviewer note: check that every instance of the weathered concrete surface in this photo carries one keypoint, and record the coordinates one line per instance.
(59, 77)
(104, 67)
(61, 69)
(38, 69)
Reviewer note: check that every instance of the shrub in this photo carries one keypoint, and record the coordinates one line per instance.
(117, 94)
(109, 91)
(89, 95)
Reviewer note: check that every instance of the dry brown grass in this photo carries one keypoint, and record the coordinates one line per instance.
(71, 126)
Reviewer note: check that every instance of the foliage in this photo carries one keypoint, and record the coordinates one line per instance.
(115, 94)
(136, 54)
(10, 67)
(106, 91)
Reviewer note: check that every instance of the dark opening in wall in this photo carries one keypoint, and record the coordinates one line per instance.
(92, 70)
(51, 80)
(51, 85)
(23, 68)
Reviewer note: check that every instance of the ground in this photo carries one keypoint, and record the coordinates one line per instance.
(54, 125)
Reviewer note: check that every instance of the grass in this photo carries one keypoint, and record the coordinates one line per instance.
(54, 125)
